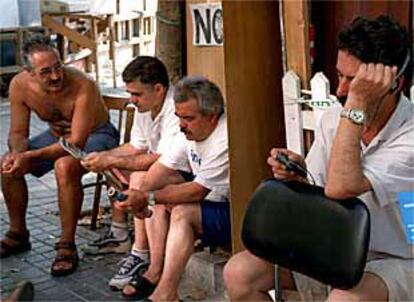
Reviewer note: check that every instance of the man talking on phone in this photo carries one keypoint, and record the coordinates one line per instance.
(364, 149)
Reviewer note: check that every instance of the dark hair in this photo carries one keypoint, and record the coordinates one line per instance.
(36, 42)
(206, 93)
(146, 69)
(381, 40)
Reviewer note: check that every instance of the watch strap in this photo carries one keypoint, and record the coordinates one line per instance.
(151, 198)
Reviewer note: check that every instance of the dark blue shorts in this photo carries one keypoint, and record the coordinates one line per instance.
(102, 138)
(215, 219)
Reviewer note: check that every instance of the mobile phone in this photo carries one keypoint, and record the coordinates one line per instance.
(117, 195)
(291, 165)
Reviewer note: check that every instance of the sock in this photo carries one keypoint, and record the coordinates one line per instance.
(119, 229)
(143, 254)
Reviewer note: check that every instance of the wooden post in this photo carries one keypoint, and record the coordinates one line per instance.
(94, 37)
(296, 26)
(112, 47)
(168, 42)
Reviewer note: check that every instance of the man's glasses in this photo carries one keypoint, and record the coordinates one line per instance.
(47, 71)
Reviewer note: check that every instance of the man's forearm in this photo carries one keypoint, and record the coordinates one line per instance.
(18, 144)
(189, 192)
(124, 150)
(50, 152)
(345, 178)
(136, 162)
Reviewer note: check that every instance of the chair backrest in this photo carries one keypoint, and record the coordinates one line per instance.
(124, 114)
(295, 226)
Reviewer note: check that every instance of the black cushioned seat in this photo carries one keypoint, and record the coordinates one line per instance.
(295, 226)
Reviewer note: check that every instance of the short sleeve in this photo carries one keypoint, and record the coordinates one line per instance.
(214, 172)
(177, 156)
(138, 138)
(390, 169)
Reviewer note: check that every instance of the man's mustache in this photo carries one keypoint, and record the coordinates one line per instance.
(55, 82)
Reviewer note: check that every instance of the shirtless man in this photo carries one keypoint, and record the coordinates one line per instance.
(71, 103)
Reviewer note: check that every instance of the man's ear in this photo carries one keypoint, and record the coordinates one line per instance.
(29, 70)
(159, 89)
(213, 118)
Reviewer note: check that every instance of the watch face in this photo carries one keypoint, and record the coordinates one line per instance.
(357, 116)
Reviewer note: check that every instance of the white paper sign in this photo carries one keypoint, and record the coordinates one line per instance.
(207, 24)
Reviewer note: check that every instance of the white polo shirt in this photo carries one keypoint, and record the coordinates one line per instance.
(387, 162)
(156, 135)
(208, 160)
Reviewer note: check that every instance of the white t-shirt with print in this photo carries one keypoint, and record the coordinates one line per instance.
(156, 135)
(207, 160)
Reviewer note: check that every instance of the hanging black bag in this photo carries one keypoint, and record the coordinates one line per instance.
(294, 225)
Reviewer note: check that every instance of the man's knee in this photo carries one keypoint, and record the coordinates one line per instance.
(67, 168)
(338, 295)
(186, 214)
(236, 275)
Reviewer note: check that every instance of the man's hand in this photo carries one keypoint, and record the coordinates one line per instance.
(279, 170)
(370, 84)
(15, 164)
(97, 161)
(136, 203)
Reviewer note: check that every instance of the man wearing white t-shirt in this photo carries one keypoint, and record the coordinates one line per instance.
(155, 126)
(185, 211)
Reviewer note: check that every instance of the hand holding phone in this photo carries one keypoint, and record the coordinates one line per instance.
(291, 165)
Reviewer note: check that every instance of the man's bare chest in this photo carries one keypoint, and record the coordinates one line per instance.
(52, 109)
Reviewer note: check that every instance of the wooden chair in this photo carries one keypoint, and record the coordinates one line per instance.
(117, 106)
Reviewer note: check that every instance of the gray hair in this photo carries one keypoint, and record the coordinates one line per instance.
(206, 93)
(36, 42)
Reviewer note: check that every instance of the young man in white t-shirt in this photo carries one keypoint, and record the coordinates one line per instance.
(155, 126)
(186, 211)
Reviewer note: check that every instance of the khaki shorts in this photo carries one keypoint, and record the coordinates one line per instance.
(397, 273)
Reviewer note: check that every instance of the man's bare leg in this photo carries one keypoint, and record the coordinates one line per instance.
(68, 173)
(184, 224)
(248, 278)
(156, 228)
(16, 198)
(140, 236)
(370, 288)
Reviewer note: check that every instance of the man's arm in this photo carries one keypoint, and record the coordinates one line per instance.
(188, 192)
(160, 177)
(345, 178)
(123, 157)
(20, 118)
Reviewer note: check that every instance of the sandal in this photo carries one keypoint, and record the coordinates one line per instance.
(22, 245)
(143, 288)
(72, 259)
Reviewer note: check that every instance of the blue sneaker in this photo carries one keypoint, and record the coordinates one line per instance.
(130, 266)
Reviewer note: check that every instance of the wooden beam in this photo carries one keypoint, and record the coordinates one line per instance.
(296, 28)
(253, 69)
(72, 35)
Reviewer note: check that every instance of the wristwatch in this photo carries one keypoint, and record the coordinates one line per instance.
(151, 198)
(357, 116)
